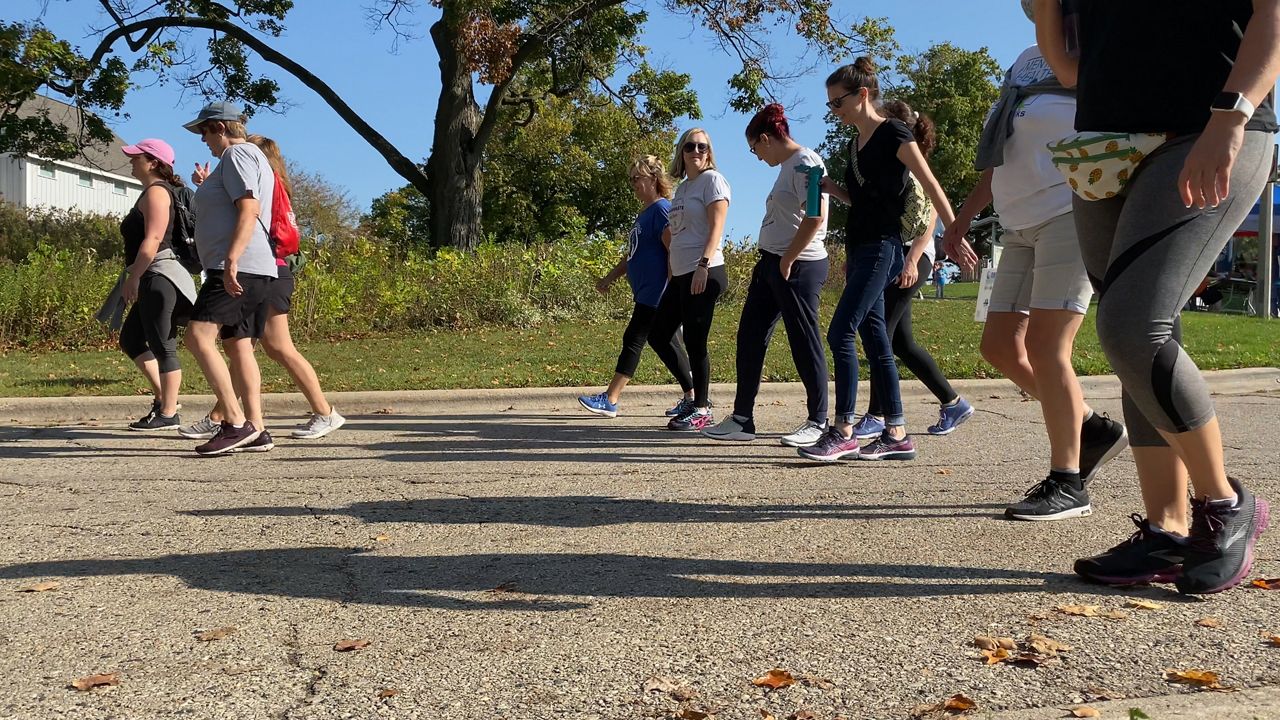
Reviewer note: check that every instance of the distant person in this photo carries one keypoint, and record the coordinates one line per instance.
(160, 290)
(233, 210)
(694, 235)
(953, 410)
(939, 280)
(1199, 74)
(644, 262)
(786, 283)
(1041, 291)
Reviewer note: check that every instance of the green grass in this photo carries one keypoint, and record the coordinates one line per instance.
(573, 354)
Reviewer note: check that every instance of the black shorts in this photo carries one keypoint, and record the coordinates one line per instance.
(238, 316)
(280, 292)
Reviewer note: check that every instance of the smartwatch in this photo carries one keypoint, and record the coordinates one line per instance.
(1232, 102)
(705, 262)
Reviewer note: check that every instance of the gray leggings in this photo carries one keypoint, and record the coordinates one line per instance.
(1145, 254)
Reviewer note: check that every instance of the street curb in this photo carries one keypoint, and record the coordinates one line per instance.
(46, 411)
(1247, 704)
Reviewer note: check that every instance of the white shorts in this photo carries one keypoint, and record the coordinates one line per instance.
(1041, 269)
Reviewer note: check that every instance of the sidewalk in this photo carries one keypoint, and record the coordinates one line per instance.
(508, 556)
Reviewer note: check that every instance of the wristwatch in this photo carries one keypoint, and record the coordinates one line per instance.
(705, 262)
(1232, 102)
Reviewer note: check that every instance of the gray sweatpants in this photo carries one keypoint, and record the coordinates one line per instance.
(1145, 254)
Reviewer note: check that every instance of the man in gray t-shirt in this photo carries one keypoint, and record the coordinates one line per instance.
(242, 171)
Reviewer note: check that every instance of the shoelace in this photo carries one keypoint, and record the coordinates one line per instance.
(805, 426)
(1044, 488)
(1144, 529)
(1206, 523)
(314, 421)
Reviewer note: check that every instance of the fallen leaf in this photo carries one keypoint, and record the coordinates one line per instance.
(692, 714)
(766, 715)
(388, 692)
(802, 715)
(658, 683)
(382, 538)
(775, 679)
(945, 471)
(1209, 622)
(1267, 583)
(506, 587)
(1045, 646)
(90, 682)
(959, 703)
(45, 586)
(1143, 604)
(1084, 711)
(1078, 610)
(1274, 640)
(1206, 679)
(1032, 659)
(1114, 614)
(815, 681)
(998, 655)
(215, 634)
(986, 643)
(349, 645)
(1101, 693)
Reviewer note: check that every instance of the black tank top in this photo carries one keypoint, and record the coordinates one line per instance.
(134, 228)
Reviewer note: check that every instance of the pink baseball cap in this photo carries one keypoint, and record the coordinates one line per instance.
(157, 149)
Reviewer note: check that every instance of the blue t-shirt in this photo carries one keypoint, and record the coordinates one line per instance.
(647, 256)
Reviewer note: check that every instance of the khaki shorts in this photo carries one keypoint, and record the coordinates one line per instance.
(1041, 269)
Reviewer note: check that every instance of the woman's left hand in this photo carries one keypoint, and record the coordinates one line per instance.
(910, 273)
(699, 282)
(130, 290)
(1205, 180)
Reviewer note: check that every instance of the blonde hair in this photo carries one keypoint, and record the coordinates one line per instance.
(274, 158)
(677, 162)
(651, 166)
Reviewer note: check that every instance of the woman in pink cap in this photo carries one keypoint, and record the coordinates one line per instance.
(160, 290)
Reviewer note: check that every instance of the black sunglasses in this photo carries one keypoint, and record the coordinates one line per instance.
(692, 147)
(835, 103)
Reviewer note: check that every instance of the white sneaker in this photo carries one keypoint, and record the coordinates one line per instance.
(731, 428)
(319, 425)
(807, 434)
(202, 429)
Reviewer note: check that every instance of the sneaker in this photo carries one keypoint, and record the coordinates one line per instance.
(807, 434)
(1101, 440)
(1147, 556)
(951, 417)
(1052, 499)
(229, 438)
(731, 428)
(695, 419)
(1220, 546)
(202, 429)
(683, 405)
(886, 447)
(868, 426)
(317, 426)
(154, 422)
(831, 447)
(262, 443)
(598, 404)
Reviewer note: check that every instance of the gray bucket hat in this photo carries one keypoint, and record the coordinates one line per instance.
(216, 111)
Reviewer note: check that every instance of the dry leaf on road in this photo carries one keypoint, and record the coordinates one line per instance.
(960, 703)
(1273, 640)
(90, 682)
(775, 679)
(214, 634)
(766, 715)
(382, 538)
(944, 471)
(1267, 583)
(1079, 610)
(693, 714)
(1045, 646)
(998, 655)
(1206, 679)
(1143, 604)
(986, 643)
(349, 645)
(802, 715)
(815, 681)
(388, 692)
(39, 587)
(659, 683)
(1084, 711)
(1209, 622)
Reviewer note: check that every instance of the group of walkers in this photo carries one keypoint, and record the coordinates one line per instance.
(231, 228)
(1173, 128)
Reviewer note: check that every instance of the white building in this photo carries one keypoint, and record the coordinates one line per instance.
(96, 181)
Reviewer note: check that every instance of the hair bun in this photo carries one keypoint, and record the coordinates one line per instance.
(866, 65)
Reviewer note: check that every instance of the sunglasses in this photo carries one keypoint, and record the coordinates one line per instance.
(696, 147)
(835, 103)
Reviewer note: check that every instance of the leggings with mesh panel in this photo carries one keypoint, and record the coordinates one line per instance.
(1146, 253)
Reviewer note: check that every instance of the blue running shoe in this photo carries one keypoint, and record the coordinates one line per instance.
(868, 426)
(683, 406)
(951, 416)
(598, 404)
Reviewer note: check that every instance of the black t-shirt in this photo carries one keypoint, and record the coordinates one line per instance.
(1156, 65)
(877, 203)
(134, 229)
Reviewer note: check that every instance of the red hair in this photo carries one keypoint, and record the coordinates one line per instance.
(771, 121)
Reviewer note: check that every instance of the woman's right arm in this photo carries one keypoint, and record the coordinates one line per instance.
(832, 188)
(1053, 42)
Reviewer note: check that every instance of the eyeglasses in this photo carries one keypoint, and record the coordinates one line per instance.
(835, 103)
(696, 147)
(752, 147)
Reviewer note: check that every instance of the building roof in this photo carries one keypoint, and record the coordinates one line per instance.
(105, 157)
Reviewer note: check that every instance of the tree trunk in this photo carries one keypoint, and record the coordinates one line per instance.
(454, 166)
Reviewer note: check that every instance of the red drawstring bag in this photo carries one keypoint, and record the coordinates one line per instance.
(284, 232)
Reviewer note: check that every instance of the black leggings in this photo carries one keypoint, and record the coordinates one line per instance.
(150, 326)
(679, 307)
(671, 352)
(897, 313)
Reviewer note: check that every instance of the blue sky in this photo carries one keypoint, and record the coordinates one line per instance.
(395, 90)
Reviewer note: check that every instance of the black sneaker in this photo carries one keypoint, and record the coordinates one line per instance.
(1147, 556)
(262, 443)
(1052, 499)
(1101, 440)
(1220, 547)
(154, 421)
(229, 438)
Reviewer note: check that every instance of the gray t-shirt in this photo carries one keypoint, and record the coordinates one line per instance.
(688, 221)
(242, 171)
(784, 209)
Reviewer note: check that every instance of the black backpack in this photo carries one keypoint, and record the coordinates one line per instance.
(183, 237)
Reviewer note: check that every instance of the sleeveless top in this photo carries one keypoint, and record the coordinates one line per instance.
(134, 229)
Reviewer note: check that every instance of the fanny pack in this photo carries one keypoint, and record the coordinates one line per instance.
(1097, 165)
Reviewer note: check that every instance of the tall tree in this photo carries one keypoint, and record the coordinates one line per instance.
(521, 50)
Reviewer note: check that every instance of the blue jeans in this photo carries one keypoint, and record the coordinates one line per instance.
(872, 266)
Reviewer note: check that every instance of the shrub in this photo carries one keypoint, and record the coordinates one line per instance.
(22, 229)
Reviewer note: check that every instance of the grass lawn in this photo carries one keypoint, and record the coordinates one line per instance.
(569, 354)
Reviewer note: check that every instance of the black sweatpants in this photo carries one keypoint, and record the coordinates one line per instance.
(897, 315)
(795, 300)
(679, 307)
(150, 324)
(671, 352)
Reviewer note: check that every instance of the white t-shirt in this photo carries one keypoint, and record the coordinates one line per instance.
(688, 221)
(784, 209)
(1027, 189)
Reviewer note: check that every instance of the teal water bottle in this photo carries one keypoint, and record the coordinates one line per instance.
(813, 204)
